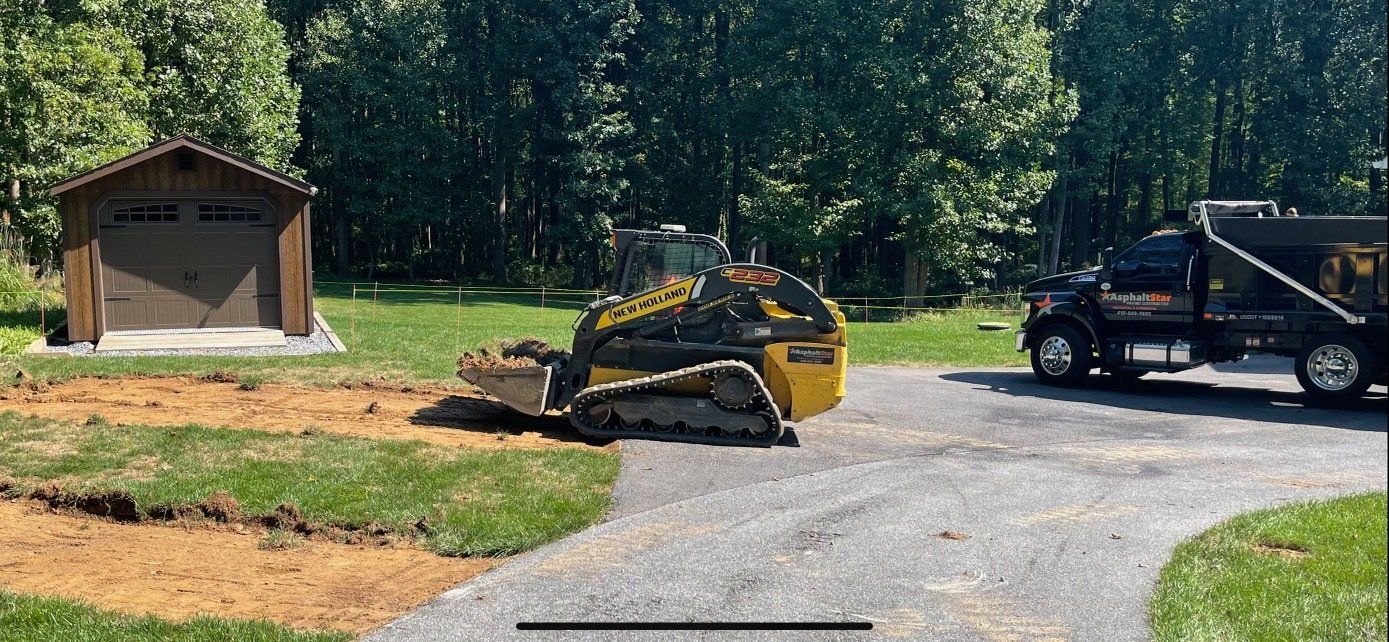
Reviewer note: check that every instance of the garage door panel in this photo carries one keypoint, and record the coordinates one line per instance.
(176, 313)
(227, 279)
(129, 314)
(190, 273)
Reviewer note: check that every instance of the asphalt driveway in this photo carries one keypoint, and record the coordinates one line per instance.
(936, 504)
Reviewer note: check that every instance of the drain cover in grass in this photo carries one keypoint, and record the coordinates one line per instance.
(993, 326)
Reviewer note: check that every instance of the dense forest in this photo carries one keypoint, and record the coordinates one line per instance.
(894, 147)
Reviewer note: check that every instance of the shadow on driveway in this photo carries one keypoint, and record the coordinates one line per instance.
(1183, 397)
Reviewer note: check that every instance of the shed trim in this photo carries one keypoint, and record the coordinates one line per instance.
(175, 143)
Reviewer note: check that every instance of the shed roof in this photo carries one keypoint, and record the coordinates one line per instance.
(175, 143)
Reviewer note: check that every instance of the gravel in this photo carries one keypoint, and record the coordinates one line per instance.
(316, 343)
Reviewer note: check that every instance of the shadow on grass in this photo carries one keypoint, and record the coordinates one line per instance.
(487, 416)
(1192, 398)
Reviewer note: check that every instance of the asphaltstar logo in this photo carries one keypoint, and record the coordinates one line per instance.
(1136, 298)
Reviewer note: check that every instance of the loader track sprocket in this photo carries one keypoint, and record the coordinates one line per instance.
(606, 410)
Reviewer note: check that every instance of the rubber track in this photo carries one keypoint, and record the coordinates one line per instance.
(762, 403)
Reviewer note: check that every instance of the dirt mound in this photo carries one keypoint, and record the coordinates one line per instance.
(287, 517)
(534, 349)
(485, 361)
(220, 506)
(220, 376)
(511, 353)
(178, 573)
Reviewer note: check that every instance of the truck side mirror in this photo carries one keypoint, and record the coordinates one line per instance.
(1107, 264)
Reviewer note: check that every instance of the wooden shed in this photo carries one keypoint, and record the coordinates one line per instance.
(185, 235)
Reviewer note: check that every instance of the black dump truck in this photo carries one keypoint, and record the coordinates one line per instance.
(1245, 280)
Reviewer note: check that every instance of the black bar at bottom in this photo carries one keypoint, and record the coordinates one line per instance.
(694, 626)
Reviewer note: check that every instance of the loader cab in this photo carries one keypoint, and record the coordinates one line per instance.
(647, 259)
(1150, 285)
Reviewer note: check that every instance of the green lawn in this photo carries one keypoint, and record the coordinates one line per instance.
(26, 618)
(937, 339)
(416, 336)
(476, 502)
(1307, 571)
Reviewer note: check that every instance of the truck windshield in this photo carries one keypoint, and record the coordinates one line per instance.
(1158, 254)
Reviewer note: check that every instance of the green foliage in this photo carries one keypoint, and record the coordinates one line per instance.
(85, 82)
(1311, 570)
(71, 98)
(535, 275)
(25, 618)
(216, 70)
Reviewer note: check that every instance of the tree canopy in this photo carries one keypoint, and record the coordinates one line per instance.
(901, 147)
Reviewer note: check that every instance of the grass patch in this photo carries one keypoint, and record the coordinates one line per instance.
(251, 382)
(25, 618)
(418, 336)
(466, 502)
(937, 339)
(1306, 571)
(279, 539)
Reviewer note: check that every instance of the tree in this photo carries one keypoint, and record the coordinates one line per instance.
(216, 69)
(71, 98)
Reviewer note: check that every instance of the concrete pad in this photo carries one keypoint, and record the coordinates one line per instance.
(198, 339)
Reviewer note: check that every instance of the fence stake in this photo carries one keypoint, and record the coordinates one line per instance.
(43, 308)
(354, 318)
(865, 309)
(458, 322)
(542, 297)
(374, 287)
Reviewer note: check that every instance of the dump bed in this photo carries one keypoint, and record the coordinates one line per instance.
(1343, 258)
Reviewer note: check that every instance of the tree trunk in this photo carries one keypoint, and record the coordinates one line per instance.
(499, 223)
(342, 224)
(914, 280)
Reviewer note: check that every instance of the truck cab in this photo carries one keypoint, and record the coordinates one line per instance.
(1246, 280)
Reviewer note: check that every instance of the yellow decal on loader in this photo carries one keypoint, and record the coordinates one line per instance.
(642, 305)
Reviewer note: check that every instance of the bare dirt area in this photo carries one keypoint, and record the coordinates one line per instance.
(177, 573)
(443, 416)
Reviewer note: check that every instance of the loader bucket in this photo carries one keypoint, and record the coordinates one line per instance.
(526, 389)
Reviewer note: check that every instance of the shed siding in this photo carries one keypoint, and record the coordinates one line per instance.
(81, 252)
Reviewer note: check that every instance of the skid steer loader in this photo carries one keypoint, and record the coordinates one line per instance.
(688, 346)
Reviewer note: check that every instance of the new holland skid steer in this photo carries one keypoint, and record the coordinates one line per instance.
(688, 346)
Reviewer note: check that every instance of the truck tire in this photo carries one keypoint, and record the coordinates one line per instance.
(1334, 368)
(1061, 356)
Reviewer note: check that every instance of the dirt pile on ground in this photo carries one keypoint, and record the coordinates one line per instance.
(437, 415)
(177, 573)
(220, 506)
(511, 353)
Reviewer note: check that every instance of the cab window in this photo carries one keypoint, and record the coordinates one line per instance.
(654, 263)
(1160, 255)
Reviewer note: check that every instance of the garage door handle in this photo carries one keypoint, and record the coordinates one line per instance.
(110, 227)
(186, 280)
(195, 278)
(117, 298)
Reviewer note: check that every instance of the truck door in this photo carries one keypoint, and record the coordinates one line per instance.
(1149, 291)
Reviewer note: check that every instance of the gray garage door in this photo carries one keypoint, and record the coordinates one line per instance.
(189, 263)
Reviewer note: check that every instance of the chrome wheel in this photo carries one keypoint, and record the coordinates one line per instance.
(1333, 367)
(1055, 355)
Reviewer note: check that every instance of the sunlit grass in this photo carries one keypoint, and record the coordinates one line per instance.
(1307, 571)
(416, 335)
